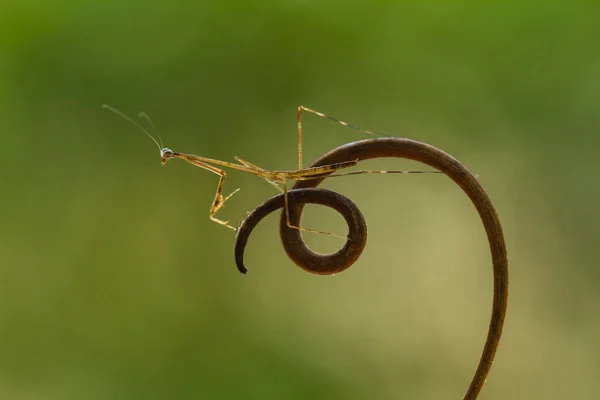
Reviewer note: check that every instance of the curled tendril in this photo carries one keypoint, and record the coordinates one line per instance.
(306, 192)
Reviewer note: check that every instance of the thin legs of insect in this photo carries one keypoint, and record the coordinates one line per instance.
(300, 137)
(380, 171)
(219, 201)
(274, 184)
(346, 124)
(249, 164)
(287, 217)
(320, 114)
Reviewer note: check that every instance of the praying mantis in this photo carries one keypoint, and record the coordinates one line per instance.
(273, 177)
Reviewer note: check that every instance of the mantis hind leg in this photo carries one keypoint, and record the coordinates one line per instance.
(275, 185)
(287, 217)
(320, 114)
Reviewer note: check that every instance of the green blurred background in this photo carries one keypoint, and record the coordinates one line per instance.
(115, 284)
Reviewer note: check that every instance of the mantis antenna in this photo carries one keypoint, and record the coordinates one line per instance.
(119, 113)
(145, 116)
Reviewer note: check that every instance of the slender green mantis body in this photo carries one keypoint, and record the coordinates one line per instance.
(274, 177)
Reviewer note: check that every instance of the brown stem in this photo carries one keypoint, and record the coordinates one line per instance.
(324, 264)
(339, 261)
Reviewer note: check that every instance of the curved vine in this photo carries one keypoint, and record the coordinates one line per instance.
(306, 192)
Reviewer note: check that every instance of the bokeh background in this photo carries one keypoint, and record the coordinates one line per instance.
(115, 284)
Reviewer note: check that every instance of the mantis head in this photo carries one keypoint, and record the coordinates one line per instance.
(166, 154)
